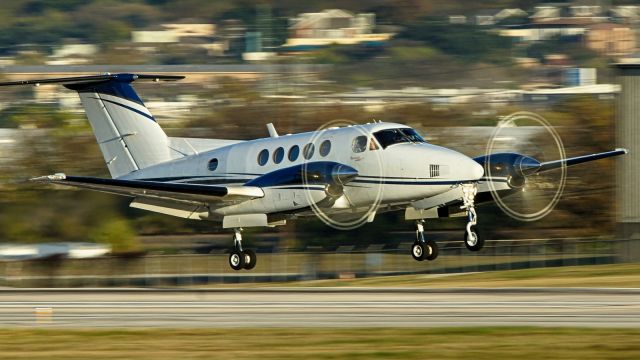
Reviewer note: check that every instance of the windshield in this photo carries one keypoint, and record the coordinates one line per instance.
(395, 136)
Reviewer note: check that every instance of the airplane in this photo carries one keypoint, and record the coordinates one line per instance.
(360, 169)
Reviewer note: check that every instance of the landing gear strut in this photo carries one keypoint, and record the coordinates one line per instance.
(472, 239)
(423, 249)
(239, 258)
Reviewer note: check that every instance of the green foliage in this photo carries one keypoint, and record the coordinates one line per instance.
(116, 232)
(34, 116)
(561, 45)
(465, 41)
(412, 53)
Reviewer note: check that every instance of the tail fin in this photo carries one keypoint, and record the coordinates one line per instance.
(127, 133)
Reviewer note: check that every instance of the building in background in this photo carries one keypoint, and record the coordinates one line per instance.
(334, 26)
(611, 39)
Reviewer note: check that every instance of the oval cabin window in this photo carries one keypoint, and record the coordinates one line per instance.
(308, 151)
(263, 157)
(213, 164)
(294, 152)
(325, 148)
(278, 155)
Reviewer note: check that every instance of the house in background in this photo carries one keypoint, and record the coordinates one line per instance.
(625, 14)
(611, 39)
(333, 26)
(493, 17)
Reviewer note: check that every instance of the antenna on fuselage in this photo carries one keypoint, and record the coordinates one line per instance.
(272, 130)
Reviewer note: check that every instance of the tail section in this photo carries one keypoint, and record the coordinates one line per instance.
(127, 133)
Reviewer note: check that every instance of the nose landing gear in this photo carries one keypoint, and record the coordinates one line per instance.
(472, 239)
(239, 258)
(423, 249)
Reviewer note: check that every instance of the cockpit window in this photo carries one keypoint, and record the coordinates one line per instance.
(395, 136)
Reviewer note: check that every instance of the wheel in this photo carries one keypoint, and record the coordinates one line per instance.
(418, 251)
(236, 260)
(473, 241)
(249, 259)
(431, 248)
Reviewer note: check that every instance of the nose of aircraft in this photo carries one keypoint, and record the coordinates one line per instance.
(466, 167)
(476, 171)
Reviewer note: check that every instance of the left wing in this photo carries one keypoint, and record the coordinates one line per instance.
(158, 190)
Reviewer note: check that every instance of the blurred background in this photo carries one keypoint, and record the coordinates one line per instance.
(451, 69)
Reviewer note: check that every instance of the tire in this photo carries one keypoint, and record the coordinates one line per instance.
(418, 251)
(431, 248)
(470, 243)
(236, 260)
(250, 259)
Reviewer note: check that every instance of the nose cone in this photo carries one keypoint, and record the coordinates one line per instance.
(476, 171)
(342, 174)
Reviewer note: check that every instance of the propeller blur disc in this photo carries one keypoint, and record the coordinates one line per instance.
(340, 210)
(537, 138)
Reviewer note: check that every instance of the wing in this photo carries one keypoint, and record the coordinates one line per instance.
(505, 173)
(189, 193)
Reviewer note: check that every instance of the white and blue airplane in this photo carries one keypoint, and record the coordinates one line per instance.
(358, 170)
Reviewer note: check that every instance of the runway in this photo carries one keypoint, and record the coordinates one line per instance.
(319, 307)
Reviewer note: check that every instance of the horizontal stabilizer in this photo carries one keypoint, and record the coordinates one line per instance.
(161, 190)
(95, 79)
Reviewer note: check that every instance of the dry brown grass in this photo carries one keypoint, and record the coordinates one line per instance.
(472, 343)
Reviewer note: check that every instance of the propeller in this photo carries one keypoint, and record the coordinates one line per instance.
(338, 209)
(539, 183)
(509, 172)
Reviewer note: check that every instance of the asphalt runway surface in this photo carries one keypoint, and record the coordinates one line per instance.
(319, 307)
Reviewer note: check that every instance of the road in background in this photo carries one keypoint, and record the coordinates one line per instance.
(326, 307)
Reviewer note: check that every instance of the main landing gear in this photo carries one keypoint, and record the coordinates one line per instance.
(423, 249)
(472, 239)
(239, 258)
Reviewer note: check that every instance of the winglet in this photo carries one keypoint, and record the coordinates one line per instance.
(622, 149)
(47, 178)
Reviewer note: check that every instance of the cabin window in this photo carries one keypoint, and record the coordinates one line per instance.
(294, 152)
(278, 155)
(308, 151)
(359, 144)
(263, 157)
(325, 148)
(213, 164)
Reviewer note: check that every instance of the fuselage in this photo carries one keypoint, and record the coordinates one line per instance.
(394, 166)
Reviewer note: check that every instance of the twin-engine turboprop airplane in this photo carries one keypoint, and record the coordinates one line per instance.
(361, 169)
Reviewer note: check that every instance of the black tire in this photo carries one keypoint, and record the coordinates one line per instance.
(431, 248)
(250, 259)
(236, 260)
(479, 242)
(418, 251)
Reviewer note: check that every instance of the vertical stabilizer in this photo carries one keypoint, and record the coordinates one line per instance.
(128, 135)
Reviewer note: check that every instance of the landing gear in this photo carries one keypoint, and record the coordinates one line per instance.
(239, 258)
(472, 239)
(423, 249)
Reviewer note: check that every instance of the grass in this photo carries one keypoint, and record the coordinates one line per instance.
(474, 343)
(616, 276)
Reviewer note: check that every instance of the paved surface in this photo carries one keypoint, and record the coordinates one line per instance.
(332, 307)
